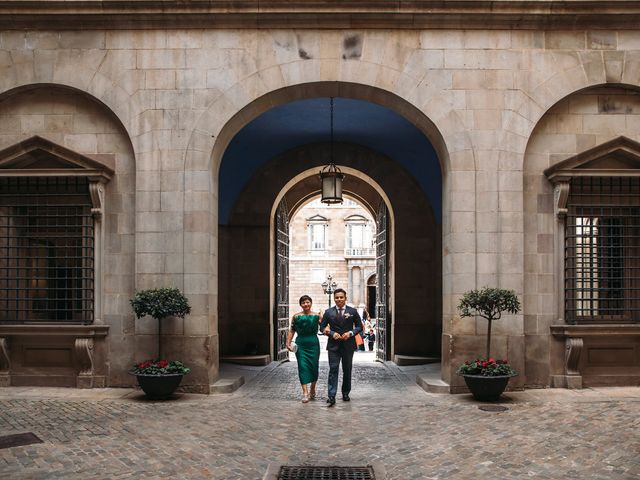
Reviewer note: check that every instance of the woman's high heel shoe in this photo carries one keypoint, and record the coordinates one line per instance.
(305, 398)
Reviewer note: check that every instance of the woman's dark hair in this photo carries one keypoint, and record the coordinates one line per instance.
(303, 298)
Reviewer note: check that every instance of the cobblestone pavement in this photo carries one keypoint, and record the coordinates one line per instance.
(549, 434)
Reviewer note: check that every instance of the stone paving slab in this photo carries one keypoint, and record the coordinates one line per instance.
(545, 434)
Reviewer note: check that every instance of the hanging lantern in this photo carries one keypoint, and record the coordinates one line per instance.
(331, 177)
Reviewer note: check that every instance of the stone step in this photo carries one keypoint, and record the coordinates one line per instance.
(226, 385)
(432, 384)
(404, 360)
(255, 360)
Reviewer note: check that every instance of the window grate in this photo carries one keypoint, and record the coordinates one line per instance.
(288, 472)
(46, 250)
(602, 250)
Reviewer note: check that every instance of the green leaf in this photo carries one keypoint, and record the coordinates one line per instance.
(160, 303)
(489, 303)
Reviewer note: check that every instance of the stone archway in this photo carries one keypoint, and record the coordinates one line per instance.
(219, 140)
(76, 130)
(577, 126)
(417, 238)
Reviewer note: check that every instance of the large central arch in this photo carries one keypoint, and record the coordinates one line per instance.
(355, 91)
(384, 169)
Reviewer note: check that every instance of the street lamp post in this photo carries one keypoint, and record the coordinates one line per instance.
(329, 287)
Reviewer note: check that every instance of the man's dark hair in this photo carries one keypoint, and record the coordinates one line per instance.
(303, 298)
(339, 290)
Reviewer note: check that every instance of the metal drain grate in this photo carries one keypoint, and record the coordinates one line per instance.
(19, 440)
(288, 472)
(493, 408)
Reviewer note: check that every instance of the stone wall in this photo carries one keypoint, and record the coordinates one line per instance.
(179, 96)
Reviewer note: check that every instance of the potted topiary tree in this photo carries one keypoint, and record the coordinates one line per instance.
(160, 378)
(486, 377)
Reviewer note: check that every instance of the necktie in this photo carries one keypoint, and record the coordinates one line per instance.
(340, 312)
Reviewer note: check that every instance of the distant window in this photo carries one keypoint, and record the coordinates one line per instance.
(317, 233)
(358, 233)
(356, 236)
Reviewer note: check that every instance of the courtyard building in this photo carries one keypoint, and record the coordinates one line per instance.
(173, 145)
(336, 241)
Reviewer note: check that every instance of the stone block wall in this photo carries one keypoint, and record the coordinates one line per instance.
(177, 97)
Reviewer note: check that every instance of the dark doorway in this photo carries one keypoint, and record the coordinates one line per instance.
(256, 174)
(371, 300)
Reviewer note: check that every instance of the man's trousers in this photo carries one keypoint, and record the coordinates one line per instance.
(344, 355)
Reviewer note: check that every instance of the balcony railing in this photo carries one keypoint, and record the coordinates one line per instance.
(359, 252)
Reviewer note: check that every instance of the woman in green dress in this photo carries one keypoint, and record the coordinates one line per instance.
(305, 324)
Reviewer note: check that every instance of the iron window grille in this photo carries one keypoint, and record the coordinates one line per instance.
(602, 250)
(46, 250)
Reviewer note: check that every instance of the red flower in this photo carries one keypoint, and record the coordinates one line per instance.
(162, 363)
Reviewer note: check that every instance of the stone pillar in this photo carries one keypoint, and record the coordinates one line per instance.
(356, 285)
(97, 192)
(363, 288)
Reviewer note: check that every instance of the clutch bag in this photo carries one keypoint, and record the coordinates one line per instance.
(294, 347)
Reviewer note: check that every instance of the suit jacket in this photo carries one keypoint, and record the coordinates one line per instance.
(350, 321)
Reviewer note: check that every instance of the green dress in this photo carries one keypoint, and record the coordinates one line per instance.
(308, 353)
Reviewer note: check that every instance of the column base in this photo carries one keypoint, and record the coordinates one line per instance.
(566, 381)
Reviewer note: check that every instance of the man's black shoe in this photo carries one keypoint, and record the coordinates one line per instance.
(331, 401)
(346, 398)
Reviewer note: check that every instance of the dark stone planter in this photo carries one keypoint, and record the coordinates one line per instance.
(485, 388)
(158, 387)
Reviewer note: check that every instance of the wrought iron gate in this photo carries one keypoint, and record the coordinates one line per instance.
(382, 312)
(281, 315)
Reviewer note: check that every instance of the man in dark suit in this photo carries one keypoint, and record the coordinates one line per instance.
(341, 323)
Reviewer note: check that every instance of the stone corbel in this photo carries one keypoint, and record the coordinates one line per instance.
(96, 190)
(5, 362)
(84, 355)
(560, 198)
(574, 347)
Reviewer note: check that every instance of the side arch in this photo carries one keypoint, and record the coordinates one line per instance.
(62, 119)
(579, 122)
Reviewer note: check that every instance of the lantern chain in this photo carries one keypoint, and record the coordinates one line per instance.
(331, 145)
